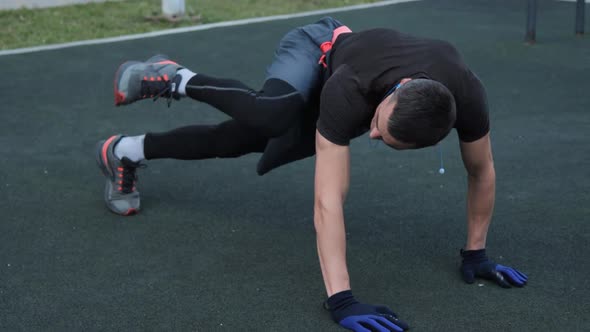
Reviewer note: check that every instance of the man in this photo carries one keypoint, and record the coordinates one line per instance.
(325, 87)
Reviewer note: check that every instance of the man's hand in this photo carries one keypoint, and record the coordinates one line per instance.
(353, 315)
(477, 265)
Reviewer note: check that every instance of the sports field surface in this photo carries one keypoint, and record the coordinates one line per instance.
(217, 248)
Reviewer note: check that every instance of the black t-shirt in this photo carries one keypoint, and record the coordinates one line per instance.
(364, 66)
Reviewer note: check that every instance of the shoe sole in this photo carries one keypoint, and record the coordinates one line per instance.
(105, 171)
(120, 97)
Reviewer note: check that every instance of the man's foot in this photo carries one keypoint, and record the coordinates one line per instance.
(154, 78)
(120, 194)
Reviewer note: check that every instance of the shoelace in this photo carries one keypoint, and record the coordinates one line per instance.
(128, 175)
(157, 87)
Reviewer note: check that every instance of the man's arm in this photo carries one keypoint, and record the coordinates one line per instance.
(481, 192)
(332, 173)
(477, 157)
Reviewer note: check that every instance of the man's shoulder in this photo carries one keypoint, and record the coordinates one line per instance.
(342, 76)
(342, 87)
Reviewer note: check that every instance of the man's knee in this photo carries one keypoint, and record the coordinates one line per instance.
(278, 106)
(280, 117)
(234, 140)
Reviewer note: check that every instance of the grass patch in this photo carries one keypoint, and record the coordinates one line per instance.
(32, 27)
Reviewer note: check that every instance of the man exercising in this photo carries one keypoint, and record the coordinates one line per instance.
(325, 86)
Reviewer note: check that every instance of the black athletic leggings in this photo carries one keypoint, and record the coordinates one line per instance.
(257, 116)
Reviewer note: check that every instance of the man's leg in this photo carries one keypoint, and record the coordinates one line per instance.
(119, 156)
(270, 111)
(257, 116)
(228, 139)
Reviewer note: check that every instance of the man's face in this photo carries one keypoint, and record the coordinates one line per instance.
(378, 128)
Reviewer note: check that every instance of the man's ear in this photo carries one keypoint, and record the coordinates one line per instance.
(405, 80)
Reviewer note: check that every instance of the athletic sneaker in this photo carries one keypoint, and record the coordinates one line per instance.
(120, 194)
(154, 78)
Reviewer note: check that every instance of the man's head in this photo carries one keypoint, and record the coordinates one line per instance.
(419, 113)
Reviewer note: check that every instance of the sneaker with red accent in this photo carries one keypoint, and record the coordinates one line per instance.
(153, 78)
(120, 194)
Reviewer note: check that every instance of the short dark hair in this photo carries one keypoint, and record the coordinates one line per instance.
(424, 113)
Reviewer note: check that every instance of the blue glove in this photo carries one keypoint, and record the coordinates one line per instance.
(359, 317)
(477, 265)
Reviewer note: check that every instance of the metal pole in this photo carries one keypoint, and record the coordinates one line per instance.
(580, 11)
(531, 22)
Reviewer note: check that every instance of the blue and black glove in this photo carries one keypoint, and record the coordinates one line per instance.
(477, 265)
(353, 315)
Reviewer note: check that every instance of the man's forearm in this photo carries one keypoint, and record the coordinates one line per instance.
(480, 206)
(331, 242)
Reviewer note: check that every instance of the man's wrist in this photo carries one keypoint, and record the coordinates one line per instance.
(336, 300)
(477, 232)
(474, 256)
(475, 245)
(338, 303)
(337, 290)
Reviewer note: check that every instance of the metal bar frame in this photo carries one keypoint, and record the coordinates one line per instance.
(531, 22)
(580, 13)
